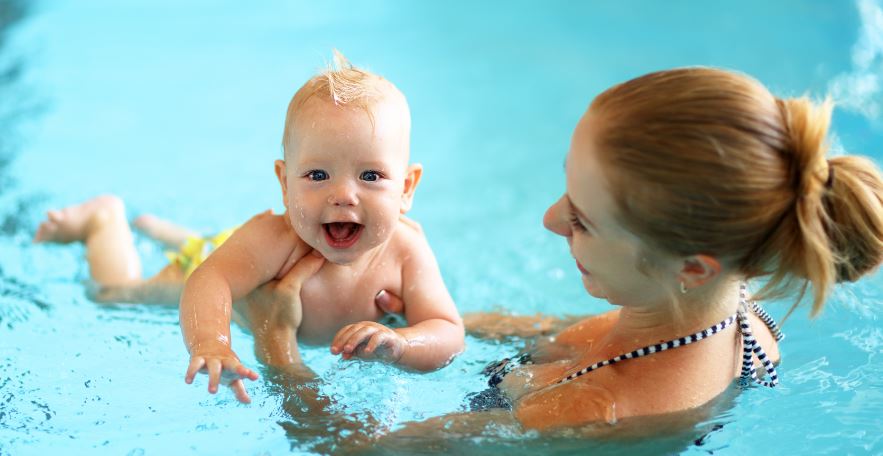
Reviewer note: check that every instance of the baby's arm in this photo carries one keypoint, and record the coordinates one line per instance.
(434, 334)
(254, 254)
(435, 331)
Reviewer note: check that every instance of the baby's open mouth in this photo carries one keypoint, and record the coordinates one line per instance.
(342, 235)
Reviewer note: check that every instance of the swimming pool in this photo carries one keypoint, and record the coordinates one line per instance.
(178, 108)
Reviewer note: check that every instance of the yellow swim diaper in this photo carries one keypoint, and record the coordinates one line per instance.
(196, 249)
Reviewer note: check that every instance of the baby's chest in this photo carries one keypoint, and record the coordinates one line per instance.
(332, 301)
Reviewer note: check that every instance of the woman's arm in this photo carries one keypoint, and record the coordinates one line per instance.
(493, 325)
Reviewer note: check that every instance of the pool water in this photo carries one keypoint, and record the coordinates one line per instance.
(178, 108)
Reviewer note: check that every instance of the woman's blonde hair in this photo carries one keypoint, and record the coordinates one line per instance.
(708, 161)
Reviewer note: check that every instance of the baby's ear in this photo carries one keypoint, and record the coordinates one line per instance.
(412, 178)
(283, 182)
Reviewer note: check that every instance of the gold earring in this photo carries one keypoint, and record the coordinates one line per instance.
(683, 288)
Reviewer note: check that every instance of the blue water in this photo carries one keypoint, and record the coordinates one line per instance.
(178, 108)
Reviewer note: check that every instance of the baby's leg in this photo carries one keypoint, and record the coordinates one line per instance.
(100, 224)
(163, 288)
(169, 234)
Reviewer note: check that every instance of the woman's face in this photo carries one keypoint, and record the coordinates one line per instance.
(607, 255)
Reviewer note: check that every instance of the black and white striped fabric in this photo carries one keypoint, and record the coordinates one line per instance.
(767, 319)
(749, 344)
(750, 347)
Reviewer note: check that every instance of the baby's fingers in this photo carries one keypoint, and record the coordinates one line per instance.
(342, 336)
(359, 337)
(214, 374)
(196, 363)
(234, 370)
(385, 345)
(378, 340)
(238, 387)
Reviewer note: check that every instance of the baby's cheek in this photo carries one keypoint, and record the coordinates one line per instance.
(385, 226)
(299, 221)
(298, 216)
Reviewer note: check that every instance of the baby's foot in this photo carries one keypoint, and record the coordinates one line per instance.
(74, 223)
(164, 231)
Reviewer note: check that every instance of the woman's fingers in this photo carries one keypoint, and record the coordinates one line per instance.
(301, 271)
(389, 302)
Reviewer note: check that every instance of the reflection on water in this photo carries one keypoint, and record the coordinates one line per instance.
(16, 106)
(495, 432)
(311, 425)
(11, 12)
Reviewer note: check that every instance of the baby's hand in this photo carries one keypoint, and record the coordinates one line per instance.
(222, 366)
(369, 340)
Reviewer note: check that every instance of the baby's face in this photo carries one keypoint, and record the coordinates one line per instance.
(345, 183)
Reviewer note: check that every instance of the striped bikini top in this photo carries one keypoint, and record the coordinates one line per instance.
(750, 347)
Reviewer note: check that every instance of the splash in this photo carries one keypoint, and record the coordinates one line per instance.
(860, 90)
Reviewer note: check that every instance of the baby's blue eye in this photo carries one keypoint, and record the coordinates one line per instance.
(317, 175)
(370, 176)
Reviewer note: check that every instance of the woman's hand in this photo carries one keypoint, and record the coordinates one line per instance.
(273, 312)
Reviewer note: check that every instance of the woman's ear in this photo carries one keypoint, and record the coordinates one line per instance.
(698, 270)
(283, 182)
(412, 178)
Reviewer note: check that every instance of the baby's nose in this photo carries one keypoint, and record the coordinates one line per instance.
(343, 194)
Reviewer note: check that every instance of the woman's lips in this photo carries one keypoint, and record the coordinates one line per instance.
(582, 269)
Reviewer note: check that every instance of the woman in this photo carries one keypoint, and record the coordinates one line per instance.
(683, 185)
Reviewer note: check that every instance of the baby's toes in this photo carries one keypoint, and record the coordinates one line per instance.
(56, 216)
(46, 232)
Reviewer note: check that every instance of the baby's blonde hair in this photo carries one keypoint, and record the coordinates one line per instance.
(340, 83)
(708, 161)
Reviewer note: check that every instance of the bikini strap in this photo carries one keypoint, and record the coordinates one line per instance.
(750, 347)
(650, 349)
(767, 320)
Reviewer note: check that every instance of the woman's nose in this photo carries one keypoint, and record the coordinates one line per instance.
(555, 219)
(343, 194)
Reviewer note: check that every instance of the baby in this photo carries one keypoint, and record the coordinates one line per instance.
(345, 184)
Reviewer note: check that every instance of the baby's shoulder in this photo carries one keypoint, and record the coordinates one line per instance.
(269, 221)
(408, 241)
(267, 226)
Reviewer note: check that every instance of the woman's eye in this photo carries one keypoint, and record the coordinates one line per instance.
(370, 176)
(317, 175)
(576, 224)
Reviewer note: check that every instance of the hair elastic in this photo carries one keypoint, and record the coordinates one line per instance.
(830, 181)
